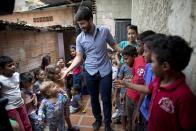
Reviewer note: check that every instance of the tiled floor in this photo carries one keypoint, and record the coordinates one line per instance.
(85, 120)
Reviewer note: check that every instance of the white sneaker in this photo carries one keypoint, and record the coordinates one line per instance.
(116, 114)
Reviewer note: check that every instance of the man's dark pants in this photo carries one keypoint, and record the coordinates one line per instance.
(96, 84)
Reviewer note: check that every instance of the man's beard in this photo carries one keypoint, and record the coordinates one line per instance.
(87, 29)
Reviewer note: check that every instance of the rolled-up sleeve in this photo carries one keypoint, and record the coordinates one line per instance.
(78, 45)
(109, 38)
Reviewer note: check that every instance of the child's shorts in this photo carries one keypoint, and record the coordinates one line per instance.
(130, 107)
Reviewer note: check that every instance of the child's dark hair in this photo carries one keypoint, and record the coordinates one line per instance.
(72, 47)
(36, 72)
(45, 61)
(76, 88)
(150, 40)
(50, 71)
(133, 27)
(174, 50)
(129, 51)
(145, 34)
(5, 60)
(25, 77)
(83, 13)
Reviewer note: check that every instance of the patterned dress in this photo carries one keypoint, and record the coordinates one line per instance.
(53, 113)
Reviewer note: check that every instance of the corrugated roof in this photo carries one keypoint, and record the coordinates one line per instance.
(12, 26)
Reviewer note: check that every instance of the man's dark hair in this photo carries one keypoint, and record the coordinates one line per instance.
(174, 50)
(83, 13)
(5, 60)
(133, 27)
(26, 77)
(129, 51)
(145, 34)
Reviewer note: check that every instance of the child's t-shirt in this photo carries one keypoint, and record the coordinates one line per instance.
(172, 108)
(10, 89)
(124, 72)
(77, 70)
(36, 89)
(138, 77)
(148, 77)
(74, 101)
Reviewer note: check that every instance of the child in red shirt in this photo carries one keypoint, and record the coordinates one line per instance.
(173, 104)
(132, 96)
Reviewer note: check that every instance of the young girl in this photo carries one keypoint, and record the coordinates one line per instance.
(53, 73)
(39, 76)
(30, 99)
(52, 106)
(61, 64)
(46, 60)
(76, 71)
(9, 81)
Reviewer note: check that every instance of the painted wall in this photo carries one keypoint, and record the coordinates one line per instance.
(60, 17)
(176, 17)
(108, 10)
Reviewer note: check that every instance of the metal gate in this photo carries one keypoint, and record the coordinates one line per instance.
(121, 29)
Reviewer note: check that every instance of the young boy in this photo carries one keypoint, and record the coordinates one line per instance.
(9, 80)
(145, 44)
(129, 53)
(173, 104)
(76, 101)
(132, 33)
(133, 96)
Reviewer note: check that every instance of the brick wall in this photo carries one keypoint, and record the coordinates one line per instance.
(27, 47)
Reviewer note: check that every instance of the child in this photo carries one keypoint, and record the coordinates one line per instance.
(46, 60)
(30, 99)
(76, 103)
(110, 54)
(77, 70)
(132, 33)
(51, 109)
(9, 80)
(39, 76)
(144, 42)
(54, 74)
(129, 53)
(115, 67)
(173, 104)
(61, 64)
(133, 96)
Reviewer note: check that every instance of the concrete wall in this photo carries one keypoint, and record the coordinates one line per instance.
(60, 17)
(27, 47)
(176, 17)
(108, 10)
